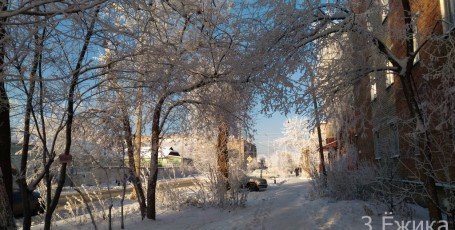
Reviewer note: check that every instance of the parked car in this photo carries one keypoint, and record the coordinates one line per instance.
(18, 209)
(254, 183)
(265, 173)
(34, 197)
(35, 206)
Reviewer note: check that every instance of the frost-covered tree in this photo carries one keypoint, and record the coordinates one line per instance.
(26, 28)
(27, 19)
(120, 89)
(302, 140)
(296, 139)
(184, 46)
(295, 134)
(227, 118)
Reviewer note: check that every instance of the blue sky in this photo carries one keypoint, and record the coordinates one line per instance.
(268, 130)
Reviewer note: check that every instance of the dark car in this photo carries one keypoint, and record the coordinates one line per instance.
(35, 206)
(254, 183)
(18, 209)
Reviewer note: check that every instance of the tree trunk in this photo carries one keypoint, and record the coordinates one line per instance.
(130, 150)
(6, 213)
(222, 153)
(5, 127)
(122, 216)
(318, 127)
(70, 113)
(306, 155)
(47, 175)
(25, 193)
(153, 177)
(5, 141)
(134, 170)
(138, 139)
(427, 175)
(137, 186)
(138, 134)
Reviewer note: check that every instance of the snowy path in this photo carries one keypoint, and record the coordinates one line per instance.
(280, 207)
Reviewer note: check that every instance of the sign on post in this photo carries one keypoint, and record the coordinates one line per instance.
(249, 158)
(63, 158)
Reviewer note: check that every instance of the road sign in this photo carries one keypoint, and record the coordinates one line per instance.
(249, 158)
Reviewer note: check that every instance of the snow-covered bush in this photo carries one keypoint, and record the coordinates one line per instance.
(347, 180)
(169, 197)
(209, 189)
(212, 191)
(393, 191)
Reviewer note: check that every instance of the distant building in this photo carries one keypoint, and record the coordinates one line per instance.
(244, 148)
(190, 146)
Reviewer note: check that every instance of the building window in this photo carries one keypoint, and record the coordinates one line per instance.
(390, 78)
(373, 90)
(394, 147)
(376, 144)
(448, 14)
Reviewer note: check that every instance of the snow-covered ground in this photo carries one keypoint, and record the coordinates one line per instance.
(285, 205)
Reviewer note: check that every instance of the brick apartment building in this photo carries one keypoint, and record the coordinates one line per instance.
(389, 135)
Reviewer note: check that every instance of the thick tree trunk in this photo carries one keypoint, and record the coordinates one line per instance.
(138, 135)
(5, 127)
(222, 153)
(306, 155)
(153, 177)
(138, 140)
(6, 180)
(427, 175)
(6, 213)
(5, 141)
(130, 150)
